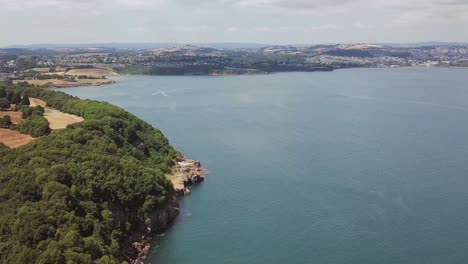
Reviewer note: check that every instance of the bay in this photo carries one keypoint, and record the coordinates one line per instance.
(350, 166)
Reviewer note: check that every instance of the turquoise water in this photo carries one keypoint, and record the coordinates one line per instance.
(352, 166)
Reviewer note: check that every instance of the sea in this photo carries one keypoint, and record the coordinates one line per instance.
(354, 166)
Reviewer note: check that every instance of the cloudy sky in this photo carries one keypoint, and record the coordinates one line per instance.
(259, 21)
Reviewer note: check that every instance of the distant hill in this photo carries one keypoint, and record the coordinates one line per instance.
(424, 44)
(220, 45)
(138, 46)
(30, 51)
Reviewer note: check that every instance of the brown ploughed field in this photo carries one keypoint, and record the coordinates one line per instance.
(13, 138)
(15, 116)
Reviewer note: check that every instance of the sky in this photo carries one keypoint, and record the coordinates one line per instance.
(247, 21)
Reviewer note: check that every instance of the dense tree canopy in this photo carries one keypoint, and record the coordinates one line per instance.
(16, 98)
(32, 111)
(73, 196)
(35, 126)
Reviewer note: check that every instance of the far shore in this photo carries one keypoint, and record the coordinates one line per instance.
(57, 83)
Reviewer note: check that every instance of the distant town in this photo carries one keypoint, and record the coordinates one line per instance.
(71, 65)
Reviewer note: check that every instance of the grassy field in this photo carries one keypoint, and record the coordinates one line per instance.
(41, 70)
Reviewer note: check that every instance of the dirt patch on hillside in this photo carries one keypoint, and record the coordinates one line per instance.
(13, 138)
(57, 119)
(92, 72)
(15, 116)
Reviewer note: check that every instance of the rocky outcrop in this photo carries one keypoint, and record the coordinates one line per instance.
(187, 172)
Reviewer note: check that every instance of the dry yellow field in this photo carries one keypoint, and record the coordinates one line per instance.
(92, 72)
(42, 70)
(57, 119)
(52, 73)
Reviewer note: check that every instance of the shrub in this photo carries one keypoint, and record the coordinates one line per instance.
(5, 122)
(4, 104)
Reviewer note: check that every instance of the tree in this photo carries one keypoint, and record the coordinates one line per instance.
(2, 93)
(16, 98)
(9, 95)
(25, 100)
(4, 104)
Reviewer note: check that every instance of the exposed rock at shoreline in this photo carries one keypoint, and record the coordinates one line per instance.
(186, 173)
(157, 222)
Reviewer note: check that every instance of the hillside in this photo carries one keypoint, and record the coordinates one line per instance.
(78, 194)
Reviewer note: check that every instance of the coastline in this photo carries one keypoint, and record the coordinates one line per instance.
(186, 173)
(132, 202)
(214, 74)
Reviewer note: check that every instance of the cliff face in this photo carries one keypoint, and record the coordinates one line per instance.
(157, 222)
(160, 220)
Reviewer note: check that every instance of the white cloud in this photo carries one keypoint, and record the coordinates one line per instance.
(360, 25)
(231, 29)
(263, 29)
(254, 20)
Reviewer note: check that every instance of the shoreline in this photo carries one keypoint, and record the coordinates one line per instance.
(52, 85)
(110, 81)
(186, 173)
(57, 84)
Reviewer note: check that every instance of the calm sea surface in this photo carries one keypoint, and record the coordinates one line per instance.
(355, 166)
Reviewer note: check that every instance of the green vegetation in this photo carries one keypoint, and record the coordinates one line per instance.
(4, 104)
(10, 95)
(32, 111)
(36, 126)
(75, 195)
(25, 100)
(16, 98)
(25, 64)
